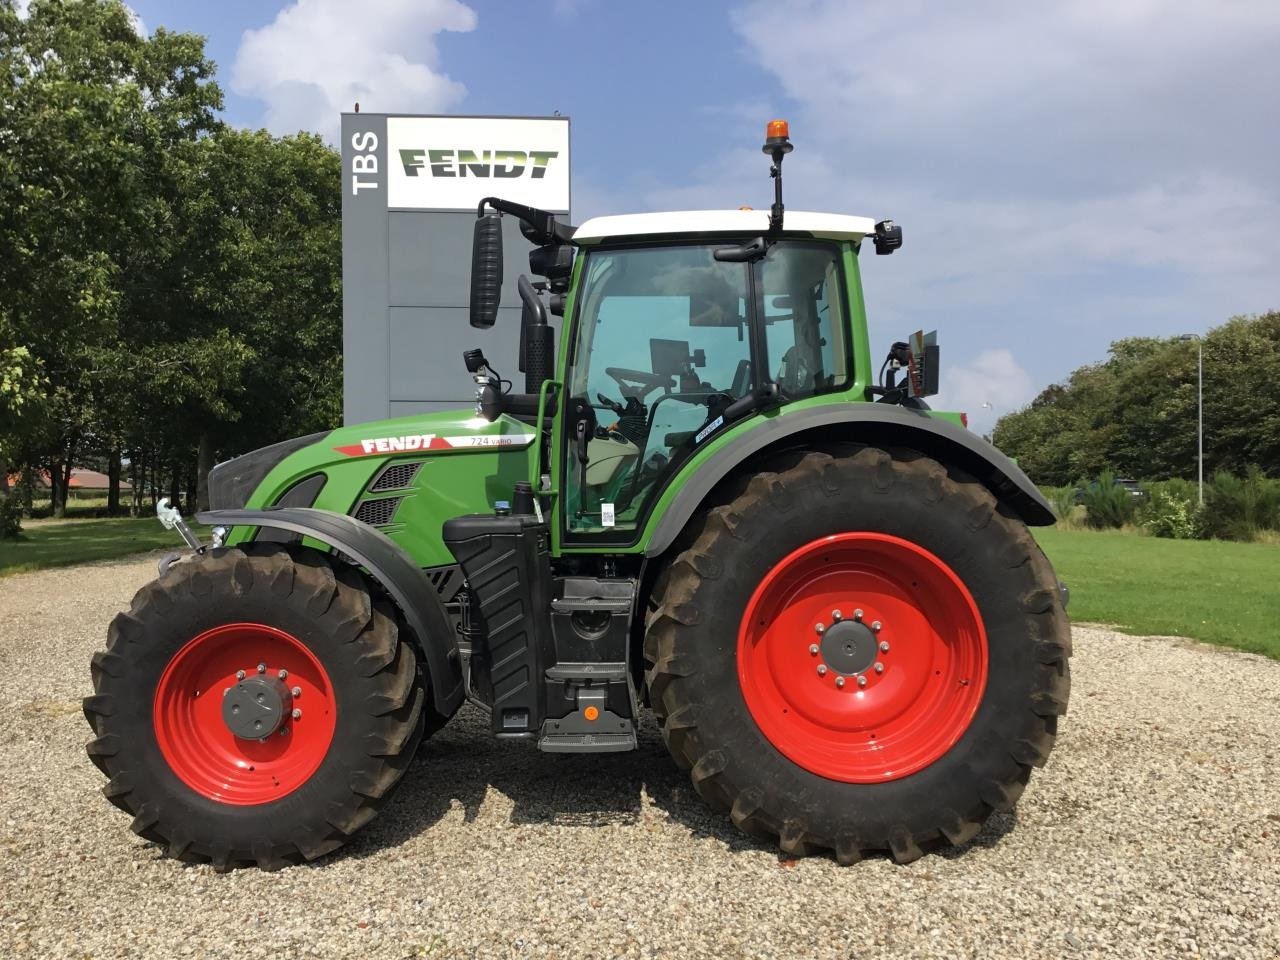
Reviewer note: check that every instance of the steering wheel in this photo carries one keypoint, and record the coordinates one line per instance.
(642, 381)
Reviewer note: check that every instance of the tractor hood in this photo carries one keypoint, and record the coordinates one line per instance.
(352, 454)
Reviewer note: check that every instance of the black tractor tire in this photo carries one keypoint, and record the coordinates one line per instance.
(691, 649)
(378, 697)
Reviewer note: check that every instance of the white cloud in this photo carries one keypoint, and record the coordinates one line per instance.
(319, 57)
(986, 388)
(1067, 174)
(1044, 98)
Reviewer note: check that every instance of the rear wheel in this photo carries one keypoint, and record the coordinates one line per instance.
(895, 665)
(254, 706)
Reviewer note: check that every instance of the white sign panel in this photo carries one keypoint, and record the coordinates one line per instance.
(452, 163)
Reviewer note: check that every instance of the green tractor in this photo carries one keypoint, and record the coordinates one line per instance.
(710, 505)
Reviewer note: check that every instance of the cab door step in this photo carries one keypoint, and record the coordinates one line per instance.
(590, 726)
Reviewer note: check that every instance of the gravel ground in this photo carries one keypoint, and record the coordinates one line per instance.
(1153, 832)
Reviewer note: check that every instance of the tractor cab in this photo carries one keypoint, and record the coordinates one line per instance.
(671, 342)
(677, 326)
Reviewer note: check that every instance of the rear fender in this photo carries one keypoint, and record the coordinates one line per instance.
(388, 564)
(871, 423)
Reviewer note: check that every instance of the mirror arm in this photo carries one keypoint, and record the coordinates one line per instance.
(544, 226)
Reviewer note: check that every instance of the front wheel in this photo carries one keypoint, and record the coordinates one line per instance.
(859, 653)
(254, 706)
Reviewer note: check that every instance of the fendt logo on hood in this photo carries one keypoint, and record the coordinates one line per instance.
(430, 441)
(502, 164)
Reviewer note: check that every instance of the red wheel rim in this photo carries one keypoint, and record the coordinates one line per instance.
(196, 741)
(854, 711)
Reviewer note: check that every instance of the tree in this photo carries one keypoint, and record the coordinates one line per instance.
(1136, 413)
(95, 115)
(262, 262)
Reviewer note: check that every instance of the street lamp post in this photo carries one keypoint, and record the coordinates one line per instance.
(1200, 404)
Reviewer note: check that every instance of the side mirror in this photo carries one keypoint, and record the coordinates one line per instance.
(924, 366)
(486, 270)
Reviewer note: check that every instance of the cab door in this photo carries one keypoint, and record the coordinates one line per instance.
(664, 339)
(661, 343)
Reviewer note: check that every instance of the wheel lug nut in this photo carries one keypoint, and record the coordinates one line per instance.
(297, 714)
(284, 731)
(813, 649)
(884, 646)
(862, 681)
(296, 692)
(839, 681)
(875, 626)
(836, 615)
(857, 614)
(283, 674)
(819, 628)
(262, 668)
(239, 674)
(822, 669)
(879, 668)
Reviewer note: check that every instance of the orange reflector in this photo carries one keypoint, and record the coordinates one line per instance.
(591, 713)
(964, 419)
(776, 129)
(745, 208)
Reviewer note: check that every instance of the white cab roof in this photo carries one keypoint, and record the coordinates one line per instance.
(832, 226)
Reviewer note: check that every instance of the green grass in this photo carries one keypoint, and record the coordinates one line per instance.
(1211, 590)
(57, 543)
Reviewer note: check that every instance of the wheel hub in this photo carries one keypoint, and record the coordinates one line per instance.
(849, 647)
(256, 707)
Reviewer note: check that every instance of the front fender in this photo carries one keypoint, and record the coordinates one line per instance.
(873, 423)
(389, 564)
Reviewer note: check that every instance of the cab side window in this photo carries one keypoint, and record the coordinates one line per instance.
(804, 318)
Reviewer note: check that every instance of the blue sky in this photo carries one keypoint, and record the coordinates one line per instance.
(1066, 174)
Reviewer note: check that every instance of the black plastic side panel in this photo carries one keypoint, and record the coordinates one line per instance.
(301, 494)
(232, 481)
(387, 563)
(507, 563)
(867, 423)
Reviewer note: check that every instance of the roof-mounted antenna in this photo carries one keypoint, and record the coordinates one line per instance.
(777, 144)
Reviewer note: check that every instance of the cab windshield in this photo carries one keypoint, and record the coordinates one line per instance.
(666, 339)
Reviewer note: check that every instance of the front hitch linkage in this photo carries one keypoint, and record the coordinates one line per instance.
(170, 518)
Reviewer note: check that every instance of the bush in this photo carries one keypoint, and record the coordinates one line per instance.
(1063, 501)
(1107, 504)
(1238, 508)
(1167, 514)
(10, 517)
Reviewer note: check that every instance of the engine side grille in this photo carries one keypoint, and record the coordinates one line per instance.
(378, 513)
(395, 476)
